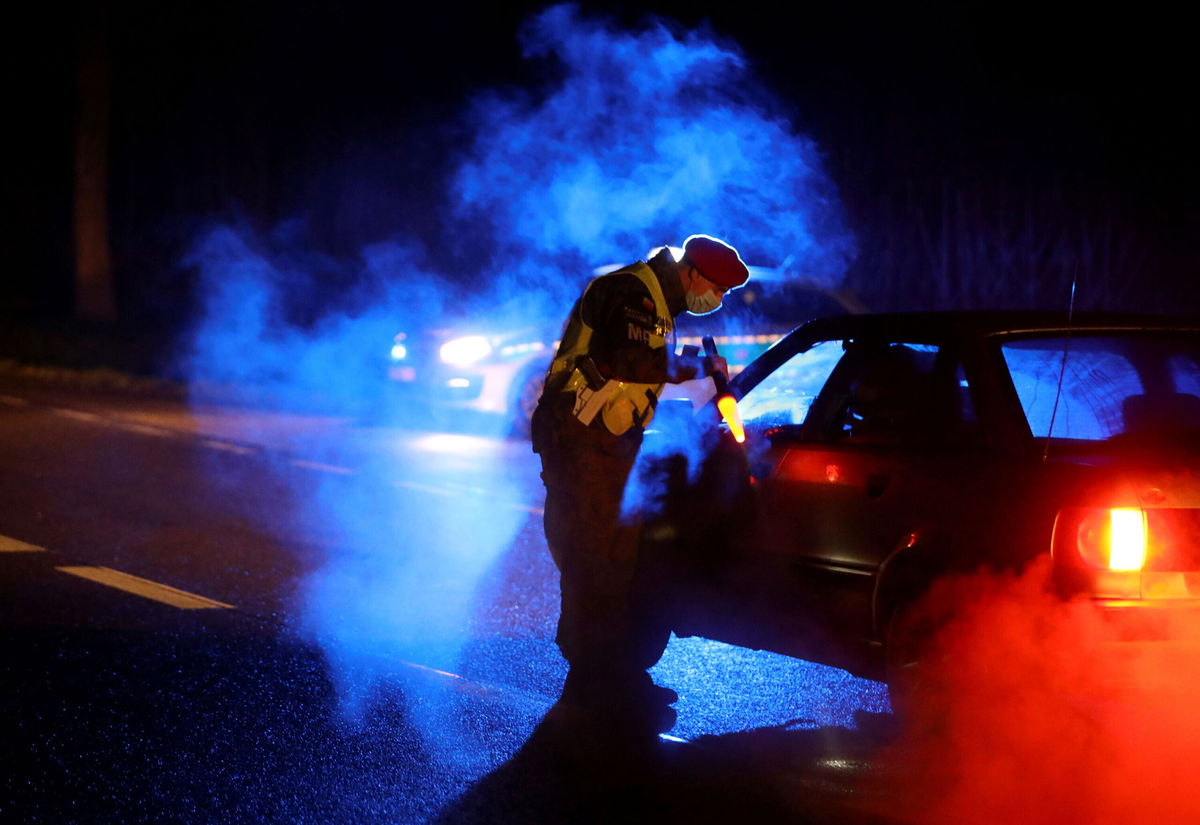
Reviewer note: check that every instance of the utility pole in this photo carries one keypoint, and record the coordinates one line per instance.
(94, 293)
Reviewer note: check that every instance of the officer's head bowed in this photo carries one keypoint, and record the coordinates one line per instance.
(708, 269)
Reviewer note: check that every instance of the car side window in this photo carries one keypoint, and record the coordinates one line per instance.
(1094, 388)
(899, 394)
(783, 398)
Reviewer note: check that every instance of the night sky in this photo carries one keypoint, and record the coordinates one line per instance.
(940, 121)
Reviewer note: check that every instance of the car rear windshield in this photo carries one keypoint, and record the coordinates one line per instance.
(1112, 385)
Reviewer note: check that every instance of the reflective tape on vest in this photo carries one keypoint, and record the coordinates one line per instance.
(620, 404)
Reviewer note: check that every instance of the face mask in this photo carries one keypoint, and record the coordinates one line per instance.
(702, 304)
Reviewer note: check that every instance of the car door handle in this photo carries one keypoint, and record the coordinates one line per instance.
(877, 483)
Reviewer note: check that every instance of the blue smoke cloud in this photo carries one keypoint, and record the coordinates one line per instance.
(643, 138)
(640, 138)
(257, 327)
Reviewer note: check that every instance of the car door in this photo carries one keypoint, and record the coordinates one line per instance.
(841, 482)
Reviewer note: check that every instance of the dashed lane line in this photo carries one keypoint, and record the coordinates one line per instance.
(184, 600)
(147, 429)
(239, 449)
(122, 581)
(425, 488)
(144, 587)
(325, 468)
(228, 446)
(466, 488)
(452, 493)
(11, 545)
(78, 415)
(131, 426)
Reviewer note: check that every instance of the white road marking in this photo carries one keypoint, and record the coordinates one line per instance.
(144, 587)
(227, 447)
(425, 488)
(454, 493)
(11, 545)
(78, 415)
(146, 429)
(482, 491)
(325, 468)
(159, 432)
(463, 488)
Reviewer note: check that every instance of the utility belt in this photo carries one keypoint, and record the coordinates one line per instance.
(616, 405)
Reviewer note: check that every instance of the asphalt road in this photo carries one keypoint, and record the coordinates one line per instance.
(222, 614)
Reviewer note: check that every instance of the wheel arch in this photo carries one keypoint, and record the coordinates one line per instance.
(905, 574)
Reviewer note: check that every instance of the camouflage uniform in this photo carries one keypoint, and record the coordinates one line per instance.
(585, 469)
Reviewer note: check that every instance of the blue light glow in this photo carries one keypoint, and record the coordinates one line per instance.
(725, 689)
(643, 138)
(466, 350)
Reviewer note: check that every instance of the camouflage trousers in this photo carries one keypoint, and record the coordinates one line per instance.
(595, 552)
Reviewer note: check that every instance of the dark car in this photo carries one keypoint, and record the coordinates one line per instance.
(887, 452)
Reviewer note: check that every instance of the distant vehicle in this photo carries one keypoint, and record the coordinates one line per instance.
(474, 366)
(885, 452)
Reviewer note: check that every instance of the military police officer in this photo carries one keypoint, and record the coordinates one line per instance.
(616, 354)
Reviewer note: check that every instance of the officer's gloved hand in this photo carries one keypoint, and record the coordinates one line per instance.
(688, 364)
(716, 363)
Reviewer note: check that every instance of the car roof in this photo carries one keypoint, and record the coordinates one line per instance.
(917, 326)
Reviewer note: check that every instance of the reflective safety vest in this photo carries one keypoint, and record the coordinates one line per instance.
(620, 404)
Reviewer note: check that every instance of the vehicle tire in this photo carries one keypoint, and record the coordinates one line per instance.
(912, 661)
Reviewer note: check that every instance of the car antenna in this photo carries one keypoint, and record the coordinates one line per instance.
(1062, 371)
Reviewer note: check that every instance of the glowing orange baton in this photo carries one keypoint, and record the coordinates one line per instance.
(726, 403)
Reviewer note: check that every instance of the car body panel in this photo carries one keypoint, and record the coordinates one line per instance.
(835, 526)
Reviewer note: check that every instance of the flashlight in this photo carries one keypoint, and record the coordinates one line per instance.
(726, 403)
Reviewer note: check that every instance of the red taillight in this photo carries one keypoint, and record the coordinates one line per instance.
(1128, 538)
(1101, 538)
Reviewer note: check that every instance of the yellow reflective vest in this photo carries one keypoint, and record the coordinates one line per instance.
(619, 404)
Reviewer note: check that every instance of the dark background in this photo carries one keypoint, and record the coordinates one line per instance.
(968, 140)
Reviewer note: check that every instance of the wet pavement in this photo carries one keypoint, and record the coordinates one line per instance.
(209, 625)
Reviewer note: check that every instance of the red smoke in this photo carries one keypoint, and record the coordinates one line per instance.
(1041, 716)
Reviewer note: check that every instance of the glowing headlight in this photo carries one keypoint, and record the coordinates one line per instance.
(399, 348)
(463, 351)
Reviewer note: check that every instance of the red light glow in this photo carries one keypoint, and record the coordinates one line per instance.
(1112, 539)
(1038, 711)
(1128, 542)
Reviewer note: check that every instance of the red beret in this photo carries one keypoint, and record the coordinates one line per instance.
(717, 261)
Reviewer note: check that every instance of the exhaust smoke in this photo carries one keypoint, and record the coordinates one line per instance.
(1043, 711)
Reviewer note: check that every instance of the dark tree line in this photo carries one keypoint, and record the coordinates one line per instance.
(987, 242)
(959, 196)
